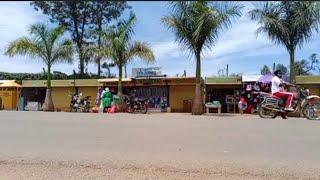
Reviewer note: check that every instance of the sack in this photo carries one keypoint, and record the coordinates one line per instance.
(112, 109)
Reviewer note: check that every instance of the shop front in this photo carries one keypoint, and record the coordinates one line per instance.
(35, 91)
(9, 94)
(310, 82)
(225, 90)
(163, 93)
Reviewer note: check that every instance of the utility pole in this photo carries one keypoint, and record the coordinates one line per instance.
(227, 70)
(274, 67)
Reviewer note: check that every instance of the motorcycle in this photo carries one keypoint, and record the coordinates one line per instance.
(79, 104)
(248, 101)
(271, 106)
(135, 105)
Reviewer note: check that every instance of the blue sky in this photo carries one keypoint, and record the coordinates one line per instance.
(239, 46)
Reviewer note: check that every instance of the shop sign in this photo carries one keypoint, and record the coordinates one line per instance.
(149, 81)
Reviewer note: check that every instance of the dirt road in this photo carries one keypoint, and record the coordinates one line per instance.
(38, 145)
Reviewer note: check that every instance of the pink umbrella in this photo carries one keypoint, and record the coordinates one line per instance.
(268, 77)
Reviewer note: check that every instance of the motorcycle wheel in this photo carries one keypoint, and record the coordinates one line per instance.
(312, 112)
(265, 113)
(145, 109)
(129, 109)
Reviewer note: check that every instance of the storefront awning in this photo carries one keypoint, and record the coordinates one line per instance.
(250, 78)
(222, 80)
(308, 80)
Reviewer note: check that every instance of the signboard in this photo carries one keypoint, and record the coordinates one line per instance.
(142, 72)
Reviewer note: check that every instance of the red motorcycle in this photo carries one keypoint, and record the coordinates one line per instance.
(272, 106)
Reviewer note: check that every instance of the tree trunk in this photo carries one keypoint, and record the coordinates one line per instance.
(125, 70)
(121, 103)
(292, 69)
(108, 69)
(120, 81)
(99, 66)
(48, 103)
(81, 61)
(197, 107)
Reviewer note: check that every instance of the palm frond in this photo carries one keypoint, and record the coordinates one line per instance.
(141, 50)
(196, 24)
(25, 46)
(63, 52)
(287, 23)
(55, 34)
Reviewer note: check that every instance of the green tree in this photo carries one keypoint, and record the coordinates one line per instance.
(79, 17)
(265, 70)
(283, 69)
(121, 49)
(196, 25)
(47, 45)
(304, 67)
(289, 23)
(95, 50)
(108, 67)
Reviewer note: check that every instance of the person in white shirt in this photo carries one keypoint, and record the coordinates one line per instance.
(277, 89)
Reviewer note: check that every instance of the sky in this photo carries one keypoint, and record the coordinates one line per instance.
(239, 46)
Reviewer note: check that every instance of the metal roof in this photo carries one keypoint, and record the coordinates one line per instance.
(223, 80)
(250, 78)
(60, 83)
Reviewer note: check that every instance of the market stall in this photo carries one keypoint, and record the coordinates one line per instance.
(9, 94)
(224, 90)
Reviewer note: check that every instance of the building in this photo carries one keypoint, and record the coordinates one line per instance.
(176, 93)
(9, 94)
(35, 90)
(310, 82)
(162, 92)
(225, 90)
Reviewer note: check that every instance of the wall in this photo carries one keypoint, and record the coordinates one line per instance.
(179, 93)
(6, 97)
(314, 88)
(60, 97)
(89, 91)
(9, 98)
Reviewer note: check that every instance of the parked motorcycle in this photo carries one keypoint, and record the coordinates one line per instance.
(79, 103)
(272, 106)
(249, 100)
(135, 105)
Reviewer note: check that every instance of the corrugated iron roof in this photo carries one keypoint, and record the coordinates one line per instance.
(61, 83)
(223, 80)
(308, 79)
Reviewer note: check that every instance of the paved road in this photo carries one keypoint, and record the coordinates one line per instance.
(159, 146)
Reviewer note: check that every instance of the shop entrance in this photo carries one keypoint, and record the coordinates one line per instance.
(227, 96)
(158, 96)
(31, 94)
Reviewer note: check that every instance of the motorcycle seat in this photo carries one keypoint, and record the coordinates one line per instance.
(276, 97)
(270, 95)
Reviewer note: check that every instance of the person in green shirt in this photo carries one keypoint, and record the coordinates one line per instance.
(106, 98)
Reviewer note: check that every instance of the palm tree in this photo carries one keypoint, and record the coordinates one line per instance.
(108, 66)
(265, 70)
(289, 23)
(196, 25)
(305, 67)
(121, 49)
(47, 45)
(95, 50)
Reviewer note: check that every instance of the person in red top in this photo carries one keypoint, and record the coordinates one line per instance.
(277, 89)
